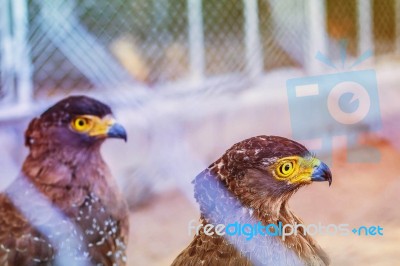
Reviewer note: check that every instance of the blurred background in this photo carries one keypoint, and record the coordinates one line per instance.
(189, 78)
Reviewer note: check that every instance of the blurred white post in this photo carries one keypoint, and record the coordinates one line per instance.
(196, 40)
(365, 41)
(22, 61)
(254, 58)
(6, 63)
(316, 23)
(397, 14)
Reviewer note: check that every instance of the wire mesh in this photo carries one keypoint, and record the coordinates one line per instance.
(384, 26)
(87, 44)
(6, 60)
(223, 30)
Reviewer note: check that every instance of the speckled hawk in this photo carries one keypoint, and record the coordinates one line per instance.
(252, 183)
(64, 208)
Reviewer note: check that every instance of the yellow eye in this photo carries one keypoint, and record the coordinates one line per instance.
(285, 169)
(81, 124)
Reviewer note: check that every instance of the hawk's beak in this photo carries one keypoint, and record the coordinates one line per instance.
(107, 127)
(117, 131)
(321, 172)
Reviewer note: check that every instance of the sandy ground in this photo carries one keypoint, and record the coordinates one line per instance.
(361, 194)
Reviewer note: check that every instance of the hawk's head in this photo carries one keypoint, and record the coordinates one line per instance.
(261, 172)
(76, 121)
(271, 164)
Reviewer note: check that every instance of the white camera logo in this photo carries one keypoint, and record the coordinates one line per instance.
(359, 94)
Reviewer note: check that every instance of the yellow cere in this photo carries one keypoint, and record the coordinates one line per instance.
(295, 169)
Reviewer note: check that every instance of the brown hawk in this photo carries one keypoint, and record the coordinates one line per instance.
(252, 184)
(64, 208)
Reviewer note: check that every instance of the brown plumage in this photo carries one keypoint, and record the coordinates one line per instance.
(64, 208)
(252, 182)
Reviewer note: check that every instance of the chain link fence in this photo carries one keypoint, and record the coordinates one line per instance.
(87, 44)
(7, 60)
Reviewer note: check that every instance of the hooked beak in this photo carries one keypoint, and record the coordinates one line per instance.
(117, 131)
(322, 172)
(107, 127)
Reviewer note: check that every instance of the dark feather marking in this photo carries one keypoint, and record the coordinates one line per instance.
(76, 105)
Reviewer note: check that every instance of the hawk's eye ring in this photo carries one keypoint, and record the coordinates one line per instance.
(81, 124)
(285, 169)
